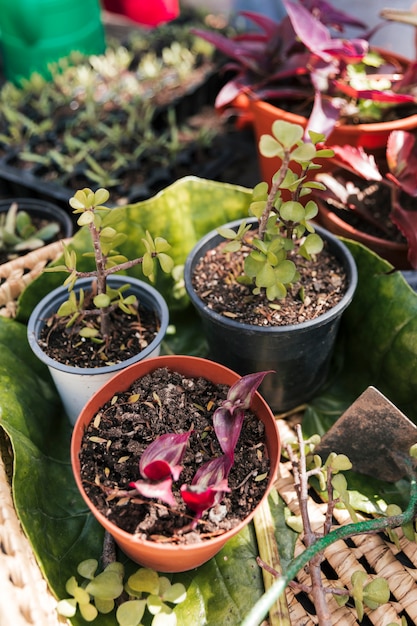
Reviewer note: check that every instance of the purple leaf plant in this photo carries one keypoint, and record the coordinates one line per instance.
(398, 172)
(160, 463)
(298, 59)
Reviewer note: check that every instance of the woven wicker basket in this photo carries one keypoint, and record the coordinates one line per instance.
(18, 273)
(27, 601)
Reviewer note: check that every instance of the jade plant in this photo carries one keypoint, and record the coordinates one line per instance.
(18, 232)
(160, 463)
(101, 222)
(284, 215)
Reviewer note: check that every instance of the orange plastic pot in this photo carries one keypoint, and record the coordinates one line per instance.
(166, 557)
(372, 137)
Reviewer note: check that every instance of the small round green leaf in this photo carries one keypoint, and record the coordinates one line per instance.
(87, 568)
(67, 607)
(145, 580)
(102, 300)
(131, 612)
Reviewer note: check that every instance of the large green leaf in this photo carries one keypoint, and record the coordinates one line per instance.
(377, 345)
(182, 213)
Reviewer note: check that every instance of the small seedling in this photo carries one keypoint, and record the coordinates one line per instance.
(102, 223)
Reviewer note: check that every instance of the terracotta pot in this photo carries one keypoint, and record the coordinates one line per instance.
(372, 137)
(165, 557)
(394, 252)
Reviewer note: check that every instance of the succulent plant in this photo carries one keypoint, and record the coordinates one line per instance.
(18, 232)
(285, 229)
(102, 224)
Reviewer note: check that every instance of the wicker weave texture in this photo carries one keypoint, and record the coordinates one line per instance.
(25, 597)
(374, 554)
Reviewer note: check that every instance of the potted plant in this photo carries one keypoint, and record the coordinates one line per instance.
(373, 201)
(27, 224)
(265, 294)
(193, 425)
(88, 329)
(296, 70)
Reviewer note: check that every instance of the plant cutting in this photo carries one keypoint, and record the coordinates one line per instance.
(27, 224)
(296, 70)
(373, 201)
(97, 323)
(276, 283)
(195, 451)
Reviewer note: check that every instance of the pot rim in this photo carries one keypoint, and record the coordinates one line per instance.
(365, 237)
(42, 207)
(44, 308)
(125, 379)
(336, 244)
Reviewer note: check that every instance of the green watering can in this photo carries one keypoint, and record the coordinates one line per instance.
(34, 33)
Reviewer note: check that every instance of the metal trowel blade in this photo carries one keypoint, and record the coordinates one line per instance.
(368, 432)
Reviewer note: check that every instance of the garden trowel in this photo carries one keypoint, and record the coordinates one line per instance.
(374, 434)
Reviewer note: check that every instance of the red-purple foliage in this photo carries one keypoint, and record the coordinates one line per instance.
(160, 463)
(298, 59)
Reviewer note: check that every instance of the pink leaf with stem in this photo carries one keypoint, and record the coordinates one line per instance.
(160, 490)
(228, 418)
(208, 486)
(163, 456)
(159, 465)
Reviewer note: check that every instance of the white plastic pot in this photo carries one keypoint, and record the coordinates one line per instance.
(76, 385)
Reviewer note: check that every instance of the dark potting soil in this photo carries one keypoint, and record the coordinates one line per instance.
(370, 210)
(161, 402)
(324, 282)
(130, 335)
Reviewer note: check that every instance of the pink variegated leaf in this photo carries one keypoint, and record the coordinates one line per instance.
(401, 154)
(317, 38)
(212, 473)
(331, 16)
(325, 114)
(356, 160)
(241, 392)
(159, 490)
(373, 94)
(163, 456)
(406, 221)
(200, 500)
(227, 426)
(208, 486)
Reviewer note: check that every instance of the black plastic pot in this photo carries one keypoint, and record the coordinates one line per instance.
(300, 354)
(42, 210)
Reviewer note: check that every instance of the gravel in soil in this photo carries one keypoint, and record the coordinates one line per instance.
(323, 280)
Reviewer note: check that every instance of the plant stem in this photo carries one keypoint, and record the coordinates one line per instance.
(310, 537)
(272, 193)
(261, 608)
